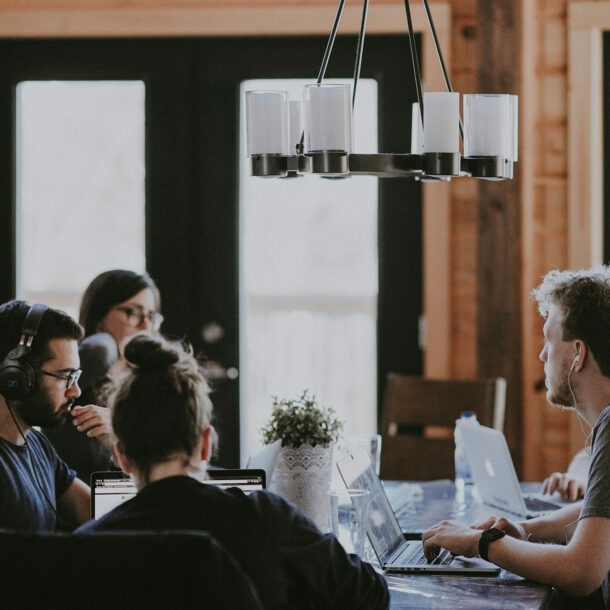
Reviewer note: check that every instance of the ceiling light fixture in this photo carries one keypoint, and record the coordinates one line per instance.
(284, 141)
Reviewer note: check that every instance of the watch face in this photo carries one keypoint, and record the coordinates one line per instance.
(493, 534)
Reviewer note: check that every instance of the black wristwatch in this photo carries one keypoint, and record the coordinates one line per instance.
(486, 537)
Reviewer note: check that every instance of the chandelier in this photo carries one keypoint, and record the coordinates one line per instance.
(289, 138)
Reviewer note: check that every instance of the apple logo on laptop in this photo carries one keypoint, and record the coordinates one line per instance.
(489, 467)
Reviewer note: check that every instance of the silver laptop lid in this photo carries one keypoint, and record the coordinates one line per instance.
(492, 469)
(383, 529)
(266, 458)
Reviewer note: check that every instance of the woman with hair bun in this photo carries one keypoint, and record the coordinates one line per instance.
(161, 413)
(116, 304)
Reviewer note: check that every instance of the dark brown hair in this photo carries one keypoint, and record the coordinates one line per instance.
(54, 324)
(109, 289)
(160, 404)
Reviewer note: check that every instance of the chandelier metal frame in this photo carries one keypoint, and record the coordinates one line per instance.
(429, 166)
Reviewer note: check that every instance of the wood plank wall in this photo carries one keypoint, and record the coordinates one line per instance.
(499, 238)
(499, 278)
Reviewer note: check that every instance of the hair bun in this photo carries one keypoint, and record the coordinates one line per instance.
(149, 352)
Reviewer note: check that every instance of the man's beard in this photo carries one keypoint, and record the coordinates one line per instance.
(38, 410)
(562, 396)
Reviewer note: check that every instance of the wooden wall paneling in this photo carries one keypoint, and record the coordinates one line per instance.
(499, 237)
(437, 304)
(464, 207)
(584, 133)
(586, 23)
(532, 372)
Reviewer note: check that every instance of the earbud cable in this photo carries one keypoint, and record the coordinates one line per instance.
(586, 436)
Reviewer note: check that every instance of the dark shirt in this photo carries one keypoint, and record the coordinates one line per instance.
(32, 478)
(597, 495)
(292, 564)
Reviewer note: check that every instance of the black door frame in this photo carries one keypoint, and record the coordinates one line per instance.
(606, 141)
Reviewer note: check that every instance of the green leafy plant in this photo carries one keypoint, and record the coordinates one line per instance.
(301, 421)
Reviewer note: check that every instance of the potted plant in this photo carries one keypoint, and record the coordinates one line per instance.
(301, 421)
(308, 432)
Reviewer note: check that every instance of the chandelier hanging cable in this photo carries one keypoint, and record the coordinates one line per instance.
(287, 138)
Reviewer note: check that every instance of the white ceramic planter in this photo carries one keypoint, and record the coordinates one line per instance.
(302, 476)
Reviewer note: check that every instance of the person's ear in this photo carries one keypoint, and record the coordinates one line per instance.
(206, 447)
(124, 462)
(581, 353)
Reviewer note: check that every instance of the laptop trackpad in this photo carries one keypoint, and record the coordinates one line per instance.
(473, 563)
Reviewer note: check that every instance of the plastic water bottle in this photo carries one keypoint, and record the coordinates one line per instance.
(463, 475)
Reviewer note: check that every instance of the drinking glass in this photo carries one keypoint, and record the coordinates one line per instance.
(348, 517)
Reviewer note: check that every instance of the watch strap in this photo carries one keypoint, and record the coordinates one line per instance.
(486, 537)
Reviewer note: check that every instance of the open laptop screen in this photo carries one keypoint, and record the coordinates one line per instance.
(111, 488)
(247, 479)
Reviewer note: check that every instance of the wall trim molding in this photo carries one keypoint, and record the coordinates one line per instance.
(586, 24)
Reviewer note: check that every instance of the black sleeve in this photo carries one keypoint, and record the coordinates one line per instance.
(317, 561)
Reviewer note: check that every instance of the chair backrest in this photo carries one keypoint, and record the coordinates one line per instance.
(419, 420)
(120, 570)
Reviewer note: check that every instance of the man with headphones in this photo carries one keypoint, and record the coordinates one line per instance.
(568, 549)
(38, 385)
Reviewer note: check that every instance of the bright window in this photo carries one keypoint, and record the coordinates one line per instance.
(80, 185)
(309, 283)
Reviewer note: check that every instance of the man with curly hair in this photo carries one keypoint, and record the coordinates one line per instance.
(570, 548)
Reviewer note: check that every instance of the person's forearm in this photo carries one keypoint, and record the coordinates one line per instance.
(552, 527)
(555, 565)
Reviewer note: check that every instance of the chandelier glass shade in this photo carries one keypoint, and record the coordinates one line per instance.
(290, 138)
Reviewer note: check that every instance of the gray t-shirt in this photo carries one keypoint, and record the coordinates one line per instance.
(597, 496)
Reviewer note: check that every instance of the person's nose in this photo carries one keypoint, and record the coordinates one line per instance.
(74, 391)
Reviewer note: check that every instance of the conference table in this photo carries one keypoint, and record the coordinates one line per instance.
(421, 504)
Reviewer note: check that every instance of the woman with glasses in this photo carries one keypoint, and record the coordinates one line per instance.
(115, 305)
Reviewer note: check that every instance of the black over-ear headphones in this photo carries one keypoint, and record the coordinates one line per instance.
(17, 376)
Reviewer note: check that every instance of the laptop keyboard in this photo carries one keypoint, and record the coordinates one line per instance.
(416, 555)
(538, 504)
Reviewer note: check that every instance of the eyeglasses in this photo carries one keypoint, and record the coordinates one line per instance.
(70, 378)
(136, 316)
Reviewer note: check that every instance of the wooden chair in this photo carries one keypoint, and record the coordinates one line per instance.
(419, 420)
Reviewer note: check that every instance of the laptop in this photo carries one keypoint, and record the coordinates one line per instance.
(247, 479)
(266, 458)
(108, 490)
(493, 473)
(393, 551)
(113, 487)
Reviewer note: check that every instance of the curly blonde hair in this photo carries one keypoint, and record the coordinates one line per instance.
(584, 299)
